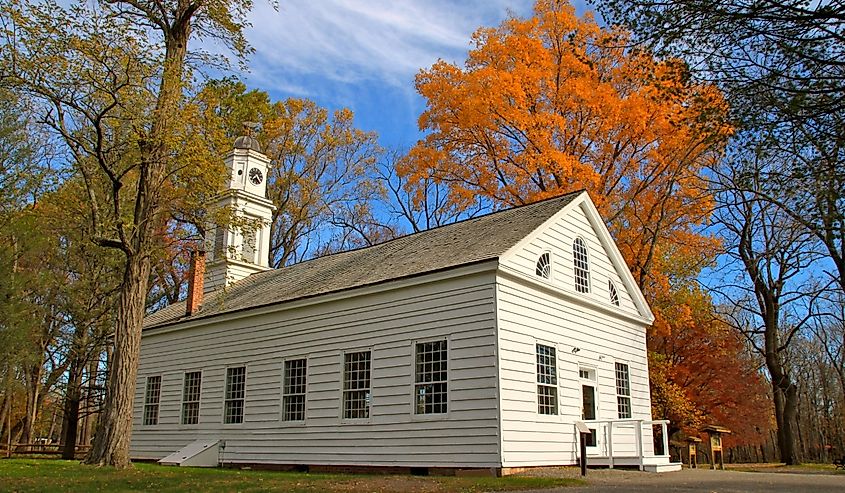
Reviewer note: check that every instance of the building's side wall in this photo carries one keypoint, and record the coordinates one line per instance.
(591, 335)
(459, 309)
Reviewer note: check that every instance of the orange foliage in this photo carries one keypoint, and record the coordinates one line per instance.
(701, 372)
(555, 103)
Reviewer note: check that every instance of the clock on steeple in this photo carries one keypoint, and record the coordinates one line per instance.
(255, 176)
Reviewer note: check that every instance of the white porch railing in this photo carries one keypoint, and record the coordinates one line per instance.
(613, 434)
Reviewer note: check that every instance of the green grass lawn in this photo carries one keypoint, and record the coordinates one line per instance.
(51, 475)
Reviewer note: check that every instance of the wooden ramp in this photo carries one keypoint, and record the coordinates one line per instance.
(202, 453)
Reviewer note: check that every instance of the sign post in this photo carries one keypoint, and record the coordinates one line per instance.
(583, 432)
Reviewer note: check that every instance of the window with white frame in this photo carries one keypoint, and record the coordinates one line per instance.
(544, 265)
(293, 390)
(582, 266)
(191, 398)
(614, 295)
(356, 385)
(152, 396)
(546, 380)
(623, 390)
(430, 378)
(233, 406)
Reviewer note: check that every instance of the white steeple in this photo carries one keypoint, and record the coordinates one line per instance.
(239, 250)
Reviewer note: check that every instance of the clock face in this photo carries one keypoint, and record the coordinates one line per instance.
(255, 176)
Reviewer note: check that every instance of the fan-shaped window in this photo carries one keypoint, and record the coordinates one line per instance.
(582, 266)
(544, 266)
(614, 296)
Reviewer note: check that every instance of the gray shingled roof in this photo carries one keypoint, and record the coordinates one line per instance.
(474, 240)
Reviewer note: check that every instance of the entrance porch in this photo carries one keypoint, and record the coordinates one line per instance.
(629, 442)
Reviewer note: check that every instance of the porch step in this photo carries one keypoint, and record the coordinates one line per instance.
(650, 464)
(670, 467)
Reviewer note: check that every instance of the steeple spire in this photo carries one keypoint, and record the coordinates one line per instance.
(242, 248)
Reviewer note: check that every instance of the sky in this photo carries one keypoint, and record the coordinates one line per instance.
(364, 54)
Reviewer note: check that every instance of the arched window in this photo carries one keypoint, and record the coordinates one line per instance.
(582, 266)
(544, 266)
(614, 295)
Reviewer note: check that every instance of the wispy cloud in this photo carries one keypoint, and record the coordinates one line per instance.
(354, 41)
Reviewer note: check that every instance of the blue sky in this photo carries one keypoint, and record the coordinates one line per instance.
(363, 54)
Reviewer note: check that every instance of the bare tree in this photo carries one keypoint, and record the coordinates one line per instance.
(766, 260)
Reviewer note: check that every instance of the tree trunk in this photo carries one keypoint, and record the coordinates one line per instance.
(789, 454)
(70, 426)
(114, 427)
(786, 411)
(5, 411)
(33, 389)
(73, 397)
(90, 399)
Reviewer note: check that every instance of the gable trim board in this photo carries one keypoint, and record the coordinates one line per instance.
(462, 290)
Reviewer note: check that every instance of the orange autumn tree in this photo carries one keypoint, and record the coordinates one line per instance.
(554, 103)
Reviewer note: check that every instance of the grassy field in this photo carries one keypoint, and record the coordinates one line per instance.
(50, 475)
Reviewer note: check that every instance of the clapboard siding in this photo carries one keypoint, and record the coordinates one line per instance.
(530, 313)
(460, 309)
(557, 238)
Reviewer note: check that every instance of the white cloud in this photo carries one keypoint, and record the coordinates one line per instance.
(353, 41)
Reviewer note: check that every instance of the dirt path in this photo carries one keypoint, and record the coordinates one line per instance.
(703, 480)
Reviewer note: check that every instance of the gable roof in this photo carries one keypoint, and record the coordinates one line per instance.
(445, 247)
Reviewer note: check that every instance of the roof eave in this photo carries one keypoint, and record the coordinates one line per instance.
(483, 264)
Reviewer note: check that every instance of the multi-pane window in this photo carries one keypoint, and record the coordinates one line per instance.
(293, 390)
(233, 407)
(623, 390)
(546, 380)
(544, 266)
(356, 385)
(191, 398)
(430, 387)
(614, 295)
(152, 395)
(582, 266)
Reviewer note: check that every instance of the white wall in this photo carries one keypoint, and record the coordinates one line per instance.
(461, 309)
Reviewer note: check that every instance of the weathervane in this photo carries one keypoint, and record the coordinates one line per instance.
(250, 127)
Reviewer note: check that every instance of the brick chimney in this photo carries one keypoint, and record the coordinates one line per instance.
(196, 279)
